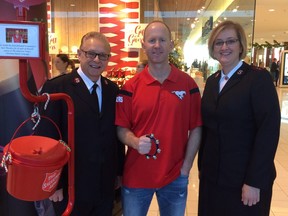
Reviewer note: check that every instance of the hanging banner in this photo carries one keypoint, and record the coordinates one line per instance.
(113, 15)
(133, 35)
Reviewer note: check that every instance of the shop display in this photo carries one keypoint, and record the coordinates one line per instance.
(120, 76)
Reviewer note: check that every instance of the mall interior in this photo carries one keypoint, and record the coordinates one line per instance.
(123, 22)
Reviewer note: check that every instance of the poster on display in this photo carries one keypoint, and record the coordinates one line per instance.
(53, 44)
(21, 40)
(284, 69)
(134, 35)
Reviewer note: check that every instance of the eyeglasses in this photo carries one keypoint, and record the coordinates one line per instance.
(92, 55)
(229, 42)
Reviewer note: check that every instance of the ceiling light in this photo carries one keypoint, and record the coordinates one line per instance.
(271, 10)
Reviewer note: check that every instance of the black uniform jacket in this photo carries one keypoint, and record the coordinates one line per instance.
(98, 153)
(240, 129)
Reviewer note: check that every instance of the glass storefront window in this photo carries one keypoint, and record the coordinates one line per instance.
(190, 22)
(69, 22)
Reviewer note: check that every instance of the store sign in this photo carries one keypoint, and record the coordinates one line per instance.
(53, 44)
(134, 35)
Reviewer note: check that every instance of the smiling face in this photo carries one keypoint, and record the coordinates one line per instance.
(93, 67)
(228, 53)
(157, 43)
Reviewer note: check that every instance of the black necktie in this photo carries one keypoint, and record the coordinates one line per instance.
(94, 94)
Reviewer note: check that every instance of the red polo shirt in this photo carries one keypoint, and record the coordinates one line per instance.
(168, 110)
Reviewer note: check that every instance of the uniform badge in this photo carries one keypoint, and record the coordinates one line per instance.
(240, 72)
(77, 80)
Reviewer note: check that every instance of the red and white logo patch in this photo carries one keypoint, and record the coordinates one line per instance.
(51, 180)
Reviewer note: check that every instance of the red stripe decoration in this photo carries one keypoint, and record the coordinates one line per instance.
(113, 15)
(133, 54)
(132, 5)
(110, 2)
(133, 15)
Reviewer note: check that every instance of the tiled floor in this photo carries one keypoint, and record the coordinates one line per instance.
(279, 206)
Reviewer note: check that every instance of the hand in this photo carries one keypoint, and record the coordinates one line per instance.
(250, 195)
(57, 196)
(144, 145)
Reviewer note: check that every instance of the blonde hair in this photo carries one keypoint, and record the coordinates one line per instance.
(228, 25)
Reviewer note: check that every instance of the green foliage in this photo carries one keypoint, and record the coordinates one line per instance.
(267, 45)
(176, 58)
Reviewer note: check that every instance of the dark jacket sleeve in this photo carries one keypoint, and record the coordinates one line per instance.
(121, 157)
(267, 116)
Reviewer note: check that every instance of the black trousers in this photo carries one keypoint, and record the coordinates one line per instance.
(215, 200)
(10, 206)
(102, 207)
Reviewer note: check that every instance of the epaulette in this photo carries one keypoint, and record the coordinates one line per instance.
(56, 77)
(257, 68)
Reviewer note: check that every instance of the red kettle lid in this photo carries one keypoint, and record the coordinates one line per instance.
(37, 150)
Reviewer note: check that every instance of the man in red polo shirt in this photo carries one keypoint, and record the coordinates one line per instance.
(158, 107)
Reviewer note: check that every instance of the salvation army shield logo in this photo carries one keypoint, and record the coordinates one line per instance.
(51, 180)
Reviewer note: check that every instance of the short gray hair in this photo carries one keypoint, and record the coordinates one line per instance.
(98, 36)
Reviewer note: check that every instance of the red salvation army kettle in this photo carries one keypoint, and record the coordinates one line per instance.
(33, 165)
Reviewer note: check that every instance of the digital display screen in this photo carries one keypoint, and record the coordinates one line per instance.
(284, 68)
(20, 40)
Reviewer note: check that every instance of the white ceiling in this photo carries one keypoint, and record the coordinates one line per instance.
(271, 26)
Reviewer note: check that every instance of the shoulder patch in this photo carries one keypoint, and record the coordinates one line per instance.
(124, 92)
(56, 77)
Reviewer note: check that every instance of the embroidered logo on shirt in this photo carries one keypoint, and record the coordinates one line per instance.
(179, 94)
(119, 99)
